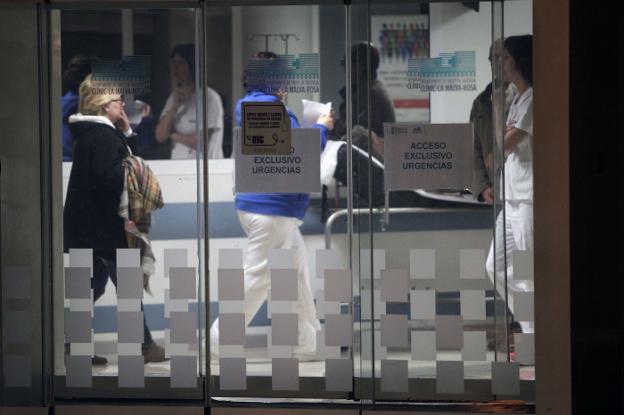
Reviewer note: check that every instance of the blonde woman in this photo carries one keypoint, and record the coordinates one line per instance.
(91, 214)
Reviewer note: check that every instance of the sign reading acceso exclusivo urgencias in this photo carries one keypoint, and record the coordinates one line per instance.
(299, 171)
(428, 156)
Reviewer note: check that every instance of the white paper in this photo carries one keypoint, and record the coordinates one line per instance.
(312, 110)
(298, 172)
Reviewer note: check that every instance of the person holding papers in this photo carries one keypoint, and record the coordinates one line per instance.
(271, 221)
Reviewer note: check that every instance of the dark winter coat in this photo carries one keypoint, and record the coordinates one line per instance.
(91, 214)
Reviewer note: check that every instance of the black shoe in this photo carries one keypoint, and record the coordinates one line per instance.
(98, 360)
(153, 353)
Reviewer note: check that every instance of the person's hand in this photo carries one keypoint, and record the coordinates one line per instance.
(327, 120)
(147, 111)
(378, 143)
(129, 225)
(180, 96)
(123, 123)
(489, 161)
(488, 194)
(175, 137)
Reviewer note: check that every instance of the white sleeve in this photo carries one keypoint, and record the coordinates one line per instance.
(525, 119)
(214, 110)
(168, 106)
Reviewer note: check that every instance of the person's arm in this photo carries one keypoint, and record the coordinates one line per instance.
(325, 123)
(189, 140)
(482, 184)
(513, 137)
(107, 167)
(165, 125)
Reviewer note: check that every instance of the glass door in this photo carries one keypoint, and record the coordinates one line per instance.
(282, 316)
(129, 296)
(431, 96)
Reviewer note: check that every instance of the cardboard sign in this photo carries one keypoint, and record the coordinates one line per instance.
(297, 172)
(266, 128)
(428, 156)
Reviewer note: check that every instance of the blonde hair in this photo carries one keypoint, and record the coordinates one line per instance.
(92, 103)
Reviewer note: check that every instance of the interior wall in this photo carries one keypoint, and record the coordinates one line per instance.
(454, 27)
(20, 209)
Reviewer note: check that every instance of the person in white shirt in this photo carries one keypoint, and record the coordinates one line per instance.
(178, 120)
(514, 225)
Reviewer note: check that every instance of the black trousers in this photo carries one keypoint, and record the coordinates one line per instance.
(103, 269)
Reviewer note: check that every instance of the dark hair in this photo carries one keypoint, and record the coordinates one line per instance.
(76, 71)
(359, 58)
(521, 50)
(186, 52)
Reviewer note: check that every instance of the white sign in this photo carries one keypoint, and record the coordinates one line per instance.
(297, 172)
(266, 128)
(428, 156)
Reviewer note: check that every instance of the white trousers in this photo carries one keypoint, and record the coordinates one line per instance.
(514, 232)
(264, 233)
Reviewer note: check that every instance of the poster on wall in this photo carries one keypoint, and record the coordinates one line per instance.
(401, 38)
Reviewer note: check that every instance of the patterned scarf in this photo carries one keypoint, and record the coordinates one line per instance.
(141, 196)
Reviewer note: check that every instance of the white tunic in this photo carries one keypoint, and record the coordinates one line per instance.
(185, 122)
(519, 163)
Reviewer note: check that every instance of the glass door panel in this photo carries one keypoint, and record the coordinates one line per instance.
(281, 309)
(131, 297)
(434, 318)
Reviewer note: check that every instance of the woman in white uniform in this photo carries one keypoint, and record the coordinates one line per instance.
(178, 120)
(514, 225)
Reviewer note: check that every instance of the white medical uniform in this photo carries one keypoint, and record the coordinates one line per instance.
(185, 122)
(265, 233)
(514, 229)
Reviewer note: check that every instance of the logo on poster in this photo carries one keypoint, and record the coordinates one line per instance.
(453, 71)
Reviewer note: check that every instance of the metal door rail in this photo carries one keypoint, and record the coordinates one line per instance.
(380, 211)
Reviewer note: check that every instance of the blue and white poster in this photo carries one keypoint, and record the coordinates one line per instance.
(401, 38)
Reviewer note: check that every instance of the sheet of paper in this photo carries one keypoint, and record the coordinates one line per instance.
(312, 110)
